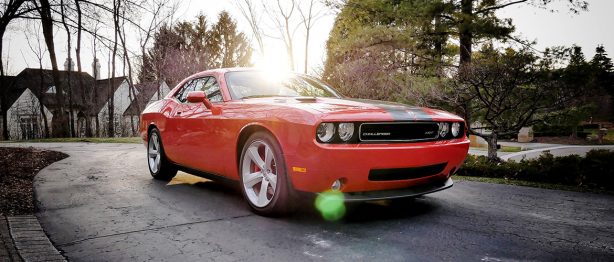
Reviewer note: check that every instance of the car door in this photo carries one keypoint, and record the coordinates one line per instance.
(174, 131)
(202, 141)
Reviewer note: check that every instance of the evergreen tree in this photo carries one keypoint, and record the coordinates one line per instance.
(189, 47)
(415, 37)
(603, 73)
(601, 60)
(233, 47)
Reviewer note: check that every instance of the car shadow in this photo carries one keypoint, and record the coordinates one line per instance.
(374, 211)
(305, 211)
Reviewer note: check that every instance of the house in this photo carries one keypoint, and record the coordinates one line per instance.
(32, 98)
(147, 93)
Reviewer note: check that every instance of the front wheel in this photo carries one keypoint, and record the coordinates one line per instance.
(159, 166)
(263, 175)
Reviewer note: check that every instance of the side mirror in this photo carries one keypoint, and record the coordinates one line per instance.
(199, 97)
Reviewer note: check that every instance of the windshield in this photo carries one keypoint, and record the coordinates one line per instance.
(250, 84)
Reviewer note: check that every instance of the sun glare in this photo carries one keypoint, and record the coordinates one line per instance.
(274, 65)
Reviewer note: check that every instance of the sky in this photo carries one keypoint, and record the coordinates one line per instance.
(548, 28)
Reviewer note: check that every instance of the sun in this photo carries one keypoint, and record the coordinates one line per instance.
(274, 62)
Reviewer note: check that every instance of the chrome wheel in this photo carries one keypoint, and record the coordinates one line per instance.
(259, 173)
(153, 152)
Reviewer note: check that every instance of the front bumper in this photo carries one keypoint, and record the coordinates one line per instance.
(315, 166)
(398, 193)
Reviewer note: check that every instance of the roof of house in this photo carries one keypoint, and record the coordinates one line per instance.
(145, 92)
(104, 91)
(12, 93)
(82, 93)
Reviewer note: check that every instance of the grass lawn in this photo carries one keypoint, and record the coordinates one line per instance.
(508, 149)
(529, 184)
(131, 140)
(609, 136)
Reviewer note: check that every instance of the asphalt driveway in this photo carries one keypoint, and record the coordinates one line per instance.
(101, 204)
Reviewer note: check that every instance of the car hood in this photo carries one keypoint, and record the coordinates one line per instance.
(344, 109)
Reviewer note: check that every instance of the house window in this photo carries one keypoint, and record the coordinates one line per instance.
(29, 127)
(51, 90)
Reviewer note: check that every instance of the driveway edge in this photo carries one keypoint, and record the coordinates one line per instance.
(8, 252)
(30, 241)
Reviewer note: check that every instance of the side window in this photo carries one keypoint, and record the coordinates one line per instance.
(180, 91)
(212, 90)
(182, 95)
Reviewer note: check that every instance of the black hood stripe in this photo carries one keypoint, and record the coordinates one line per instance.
(399, 112)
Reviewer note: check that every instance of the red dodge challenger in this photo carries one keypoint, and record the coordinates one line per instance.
(286, 133)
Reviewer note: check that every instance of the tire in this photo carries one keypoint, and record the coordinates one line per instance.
(260, 171)
(159, 166)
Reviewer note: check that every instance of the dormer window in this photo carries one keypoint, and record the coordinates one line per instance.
(51, 90)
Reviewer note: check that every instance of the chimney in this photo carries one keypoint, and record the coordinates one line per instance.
(69, 65)
(96, 68)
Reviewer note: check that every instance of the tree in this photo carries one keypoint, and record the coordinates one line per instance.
(39, 52)
(282, 16)
(10, 11)
(186, 48)
(309, 15)
(421, 32)
(384, 42)
(85, 98)
(603, 72)
(110, 95)
(250, 12)
(71, 114)
(59, 122)
(510, 90)
(233, 45)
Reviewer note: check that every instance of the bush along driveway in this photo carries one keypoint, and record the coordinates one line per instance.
(594, 172)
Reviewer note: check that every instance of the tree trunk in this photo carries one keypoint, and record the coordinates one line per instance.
(71, 106)
(290, 45)
(111, 106)
(131, 89)
(86, 110)
(465, 32)
(492, 147)
(59, 122)
(41, 91)
(306, 49)
(3, 91)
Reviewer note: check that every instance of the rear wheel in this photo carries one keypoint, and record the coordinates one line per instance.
(263, 175)
(159, 166)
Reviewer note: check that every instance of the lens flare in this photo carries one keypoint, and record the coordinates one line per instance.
(331, 205)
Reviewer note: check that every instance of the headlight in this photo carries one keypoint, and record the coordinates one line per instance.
(325, 132)
(346, 131)
(443, 129)
(455, 129)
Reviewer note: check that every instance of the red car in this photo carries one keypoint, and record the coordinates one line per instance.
(280, 134)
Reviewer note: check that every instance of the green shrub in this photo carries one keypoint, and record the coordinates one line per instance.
(596, 170)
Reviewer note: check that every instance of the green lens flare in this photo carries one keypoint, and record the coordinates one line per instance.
(331, 205)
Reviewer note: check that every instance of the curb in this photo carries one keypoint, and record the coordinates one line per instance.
(8, 252)
(524, 153)
(30, 240)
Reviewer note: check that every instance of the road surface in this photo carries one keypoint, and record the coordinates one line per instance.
(100, 204)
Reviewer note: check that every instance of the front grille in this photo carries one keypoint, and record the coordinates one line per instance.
(398, 131)
(405, 173)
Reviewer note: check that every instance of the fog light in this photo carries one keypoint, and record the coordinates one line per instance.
(336, 185)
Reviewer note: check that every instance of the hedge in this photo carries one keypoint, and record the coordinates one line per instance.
(595, 170)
